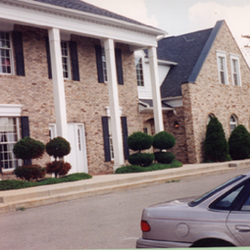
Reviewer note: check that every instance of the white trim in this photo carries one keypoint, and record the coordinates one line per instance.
(220, 54)
(235, 57)
(10, 110)
(108, 111)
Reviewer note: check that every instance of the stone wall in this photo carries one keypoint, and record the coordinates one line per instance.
(208, 96)
(86, 100)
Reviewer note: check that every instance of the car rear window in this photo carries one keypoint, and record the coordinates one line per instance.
(214, 191)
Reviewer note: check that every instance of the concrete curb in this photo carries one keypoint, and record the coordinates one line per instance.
(13, 200)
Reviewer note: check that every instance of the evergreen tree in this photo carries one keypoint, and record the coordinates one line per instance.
(239, 143)
(215, 144)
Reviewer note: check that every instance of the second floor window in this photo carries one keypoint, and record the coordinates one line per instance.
(222, 67)
(139, 72)
(65, 59)
(104, 66)
(235, 66)
(5, 53)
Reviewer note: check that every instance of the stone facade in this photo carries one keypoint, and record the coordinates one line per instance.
(86, 100)
(208, 96)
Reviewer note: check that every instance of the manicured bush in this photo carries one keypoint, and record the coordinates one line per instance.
(28, 148)
(164, 157)
(139, 141)
(58, 147)
(215, 144)
(141, 159)
(15, 184)
(239, 143)
(30, 172)
(59, 168)
(163, 140)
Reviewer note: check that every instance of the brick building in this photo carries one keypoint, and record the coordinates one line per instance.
(67, 69)
(202, 74)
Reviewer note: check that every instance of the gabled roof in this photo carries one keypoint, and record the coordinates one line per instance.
(189, 51)
(89, 8)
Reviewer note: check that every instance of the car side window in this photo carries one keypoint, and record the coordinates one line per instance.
(225, 202)
(246, 205)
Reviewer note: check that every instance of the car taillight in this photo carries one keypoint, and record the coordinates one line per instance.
(145, 227)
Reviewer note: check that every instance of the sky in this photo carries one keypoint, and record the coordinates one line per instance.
(178, 17)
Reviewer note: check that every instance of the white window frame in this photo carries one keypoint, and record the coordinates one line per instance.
(235, 71)
(233, 124)
(11, 58)
(140, 82)
(222, 55)
(67, 59)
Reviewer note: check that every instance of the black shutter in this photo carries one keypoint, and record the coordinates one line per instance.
(105, 129)
(118, 59)
(98, 52)
(48, 57)
(18, 47)
(25, 132)
(125, 137)
(74, 61)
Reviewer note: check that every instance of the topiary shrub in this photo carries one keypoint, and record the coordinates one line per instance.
(141, 159)
(59, 168)
(164, 157)
(163, 140)
(239, 143)
(215, 144)
(30, 172)
(139, 141)
(28, 148)
(58, 147)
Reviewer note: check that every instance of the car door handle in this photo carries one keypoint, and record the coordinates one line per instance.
(242, 228)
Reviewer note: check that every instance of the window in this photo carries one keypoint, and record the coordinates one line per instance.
(104, 66)
(139, 71)
(5, 53)
(65, 60)
(235, 66)
(233, 122)
(9, 135)
(222, 68)
(210, 116)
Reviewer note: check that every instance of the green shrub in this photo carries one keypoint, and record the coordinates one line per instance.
(164, 157)
(141, 159)
(139, 141)
(215, 144)
(30, 172)
(15, 184)
(153, 167)
(58, 168)
(239, 143)
(163, 140)
(58, 147)
(28, 148)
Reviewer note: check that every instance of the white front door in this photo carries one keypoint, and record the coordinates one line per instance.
(78, 155)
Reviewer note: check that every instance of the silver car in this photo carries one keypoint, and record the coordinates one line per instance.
(220, 217)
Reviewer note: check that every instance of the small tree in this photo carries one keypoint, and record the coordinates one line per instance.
(27, 149)
(58, 148)
(239, 143)
(139, 141)
(164, 141)
(215, 144)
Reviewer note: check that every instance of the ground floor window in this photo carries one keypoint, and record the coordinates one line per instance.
(233, 122)
(9, 135)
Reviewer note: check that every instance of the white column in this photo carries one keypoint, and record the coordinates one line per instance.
(152, 55)
(114, 103)
(58, 82)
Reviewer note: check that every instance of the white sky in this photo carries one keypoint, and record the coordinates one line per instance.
(184, 16)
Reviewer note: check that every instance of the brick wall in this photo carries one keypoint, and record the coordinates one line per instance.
(86, 100)
(208, 96)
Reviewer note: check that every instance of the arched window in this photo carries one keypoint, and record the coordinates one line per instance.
(210, 116)
(233, 122)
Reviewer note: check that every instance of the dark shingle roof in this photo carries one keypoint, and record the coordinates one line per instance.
(189, 51)
(89, 8)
